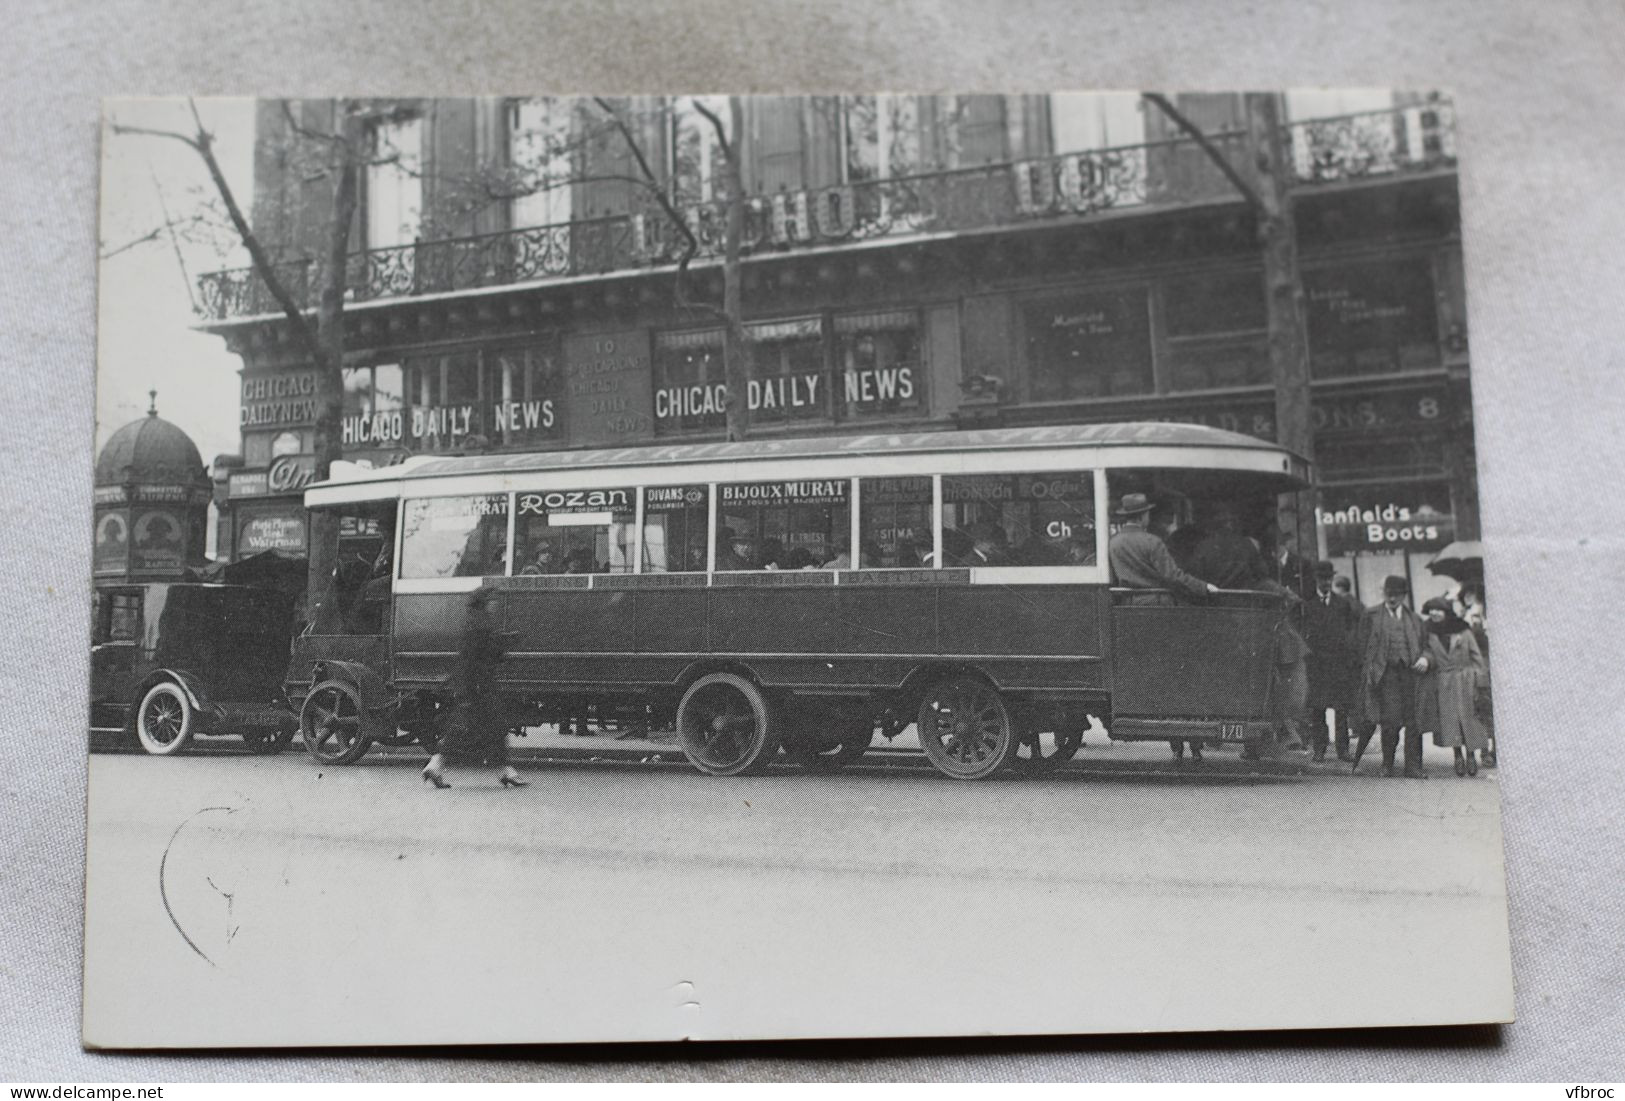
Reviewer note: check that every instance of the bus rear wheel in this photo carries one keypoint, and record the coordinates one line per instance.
(726, 726)
(965, 728)
(330, 724)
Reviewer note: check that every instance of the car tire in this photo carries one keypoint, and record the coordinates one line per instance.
(165, 719)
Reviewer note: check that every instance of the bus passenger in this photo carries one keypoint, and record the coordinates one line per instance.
(843, 557)
(990, 546)
(1226, 557)
(772, 555)
(541, 562)
(1140, 559)
(733, 550)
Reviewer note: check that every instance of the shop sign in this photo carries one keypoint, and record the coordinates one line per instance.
(1406, 518)
(246, 483)
(112, 553)
(276, 531)
(575, 500)
(608, 398)
(109, 495)
(808, 492)
(1353, 415)
(673, 498)
(290, 473)
(158, 542)
(277, 401)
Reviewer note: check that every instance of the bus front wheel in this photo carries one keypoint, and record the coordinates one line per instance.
(726, 726)
(965, 728)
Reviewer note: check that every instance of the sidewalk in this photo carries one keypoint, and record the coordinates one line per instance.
(1097, 752)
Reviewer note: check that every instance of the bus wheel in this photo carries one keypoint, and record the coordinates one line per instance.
(725, 726)
(330, 724)
(965, 728)
(164, 720)
(1041, 751)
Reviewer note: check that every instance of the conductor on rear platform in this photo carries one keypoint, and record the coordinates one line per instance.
(1140, 559)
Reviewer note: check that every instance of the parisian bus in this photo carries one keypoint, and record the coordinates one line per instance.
(794, 600)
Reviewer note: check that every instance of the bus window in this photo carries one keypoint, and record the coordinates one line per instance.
(1019, 519)
(795, 525)
(894, 523)
(455, 536)
(674, 529)
(574, 531)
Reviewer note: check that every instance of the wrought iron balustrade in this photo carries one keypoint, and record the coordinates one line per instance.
(1055, 187)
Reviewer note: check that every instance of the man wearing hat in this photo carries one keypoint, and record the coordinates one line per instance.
(1390, 646)
(1140, 559)
(1329, 622)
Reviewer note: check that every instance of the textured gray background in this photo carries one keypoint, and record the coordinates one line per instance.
(1543, 147)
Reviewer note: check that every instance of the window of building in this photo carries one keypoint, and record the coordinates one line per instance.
(882, 137)
(369, 391)
(794, 525)
(1019, 519)
(1084, 121)
(394, 182)
(894, 523)
(777, 158)
(674, 529)
(878, 362)
(542, 152)
(577, 531)
(697, 165)
(1088, 345)
(454, 536)
(1372, 318)
(447, 406)
(1215, 325)
(788, 380)
(978, 132)
(522, 393)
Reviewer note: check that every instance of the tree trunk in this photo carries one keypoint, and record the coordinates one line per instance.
(328, 444)
(1288, 346)
(736, 350)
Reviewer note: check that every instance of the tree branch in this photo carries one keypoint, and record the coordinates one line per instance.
(691, 244)
(716, 124)
(1207, 146)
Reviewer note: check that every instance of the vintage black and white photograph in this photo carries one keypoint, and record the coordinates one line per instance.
(576, 569)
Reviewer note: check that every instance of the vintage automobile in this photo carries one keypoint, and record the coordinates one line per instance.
(173, 661)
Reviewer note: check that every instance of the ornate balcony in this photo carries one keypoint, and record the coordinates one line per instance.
(1052, 189)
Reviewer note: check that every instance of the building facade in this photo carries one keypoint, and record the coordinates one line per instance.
(911, 262)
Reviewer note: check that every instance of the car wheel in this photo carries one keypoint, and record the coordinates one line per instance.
(330, 724)
(164, 719)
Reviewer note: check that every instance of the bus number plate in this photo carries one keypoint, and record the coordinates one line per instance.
(1232, 732)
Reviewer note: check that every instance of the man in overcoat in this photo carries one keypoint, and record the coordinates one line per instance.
(1140, 558)
(1391, 646)
(1329, 623)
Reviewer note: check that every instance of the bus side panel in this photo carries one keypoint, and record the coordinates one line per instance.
(901, 620)
(776, 620)
(1041, 620)
(569, 621)
(1192, 662)
(670, 621)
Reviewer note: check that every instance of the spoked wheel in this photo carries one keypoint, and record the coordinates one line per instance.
(965, 729)
(164, 720)
(330, 724)
(725, 726)
(1043, 751)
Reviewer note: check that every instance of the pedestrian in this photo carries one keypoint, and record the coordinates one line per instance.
(1391, 647)
(1450, 687)
(1329, 622)
(475, 733)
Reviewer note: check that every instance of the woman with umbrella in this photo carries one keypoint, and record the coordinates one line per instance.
(1448, 690)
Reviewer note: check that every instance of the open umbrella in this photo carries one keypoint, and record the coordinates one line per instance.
(1462, 560)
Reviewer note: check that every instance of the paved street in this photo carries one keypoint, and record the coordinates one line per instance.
(246, 900)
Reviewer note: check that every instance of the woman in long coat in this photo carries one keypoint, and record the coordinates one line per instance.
(1456, 668)
(474, 732)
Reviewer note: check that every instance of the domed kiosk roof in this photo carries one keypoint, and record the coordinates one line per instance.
(150, 451)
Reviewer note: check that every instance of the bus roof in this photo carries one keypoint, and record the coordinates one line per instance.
(1137, 434)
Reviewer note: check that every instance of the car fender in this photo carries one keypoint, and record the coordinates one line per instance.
(196, 689)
